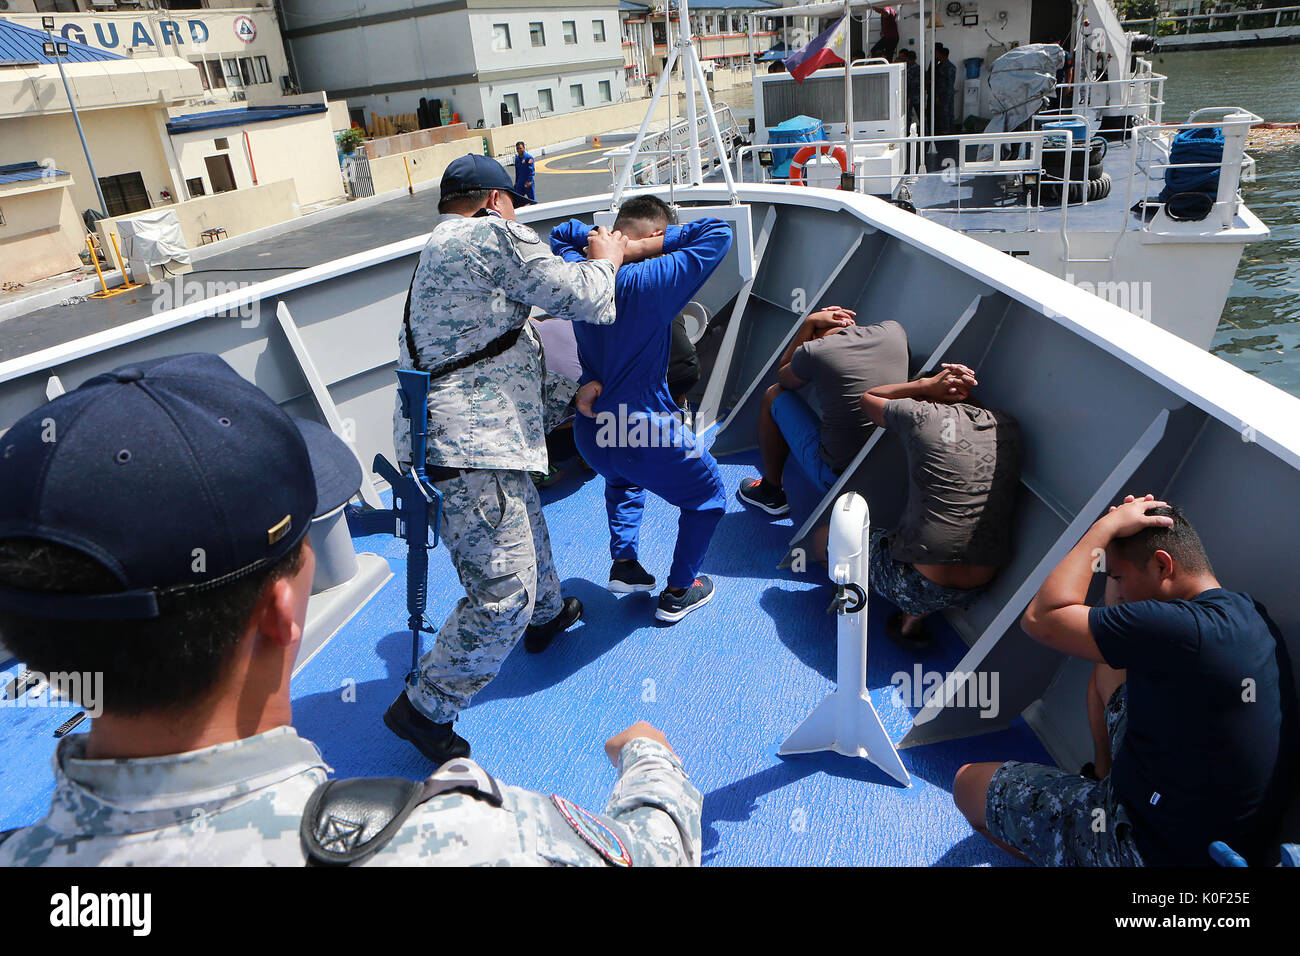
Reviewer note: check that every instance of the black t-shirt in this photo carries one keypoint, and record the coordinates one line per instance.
(1211, 731)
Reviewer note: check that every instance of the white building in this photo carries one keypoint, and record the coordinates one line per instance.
(534, 57)
(235, 44)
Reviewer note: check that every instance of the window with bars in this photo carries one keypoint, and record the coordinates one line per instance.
(124, 194)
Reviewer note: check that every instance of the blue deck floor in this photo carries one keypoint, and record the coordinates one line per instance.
(726, 685)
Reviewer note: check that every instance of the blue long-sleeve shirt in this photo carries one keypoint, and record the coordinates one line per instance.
(630, 357)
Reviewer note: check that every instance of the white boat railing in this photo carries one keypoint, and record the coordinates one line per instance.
(1025, 164)
(1280, 16)
(1151, 152)
(669, 146)
(1141, 95)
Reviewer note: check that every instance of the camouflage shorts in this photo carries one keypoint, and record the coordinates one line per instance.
(1064, 819)
(907, 588)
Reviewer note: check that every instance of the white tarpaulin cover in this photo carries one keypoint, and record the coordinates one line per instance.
(1019, 82)
(153, 238)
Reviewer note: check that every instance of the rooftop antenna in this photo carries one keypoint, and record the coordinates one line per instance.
(693, 76)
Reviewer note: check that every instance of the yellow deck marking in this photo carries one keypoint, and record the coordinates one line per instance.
(544, 165)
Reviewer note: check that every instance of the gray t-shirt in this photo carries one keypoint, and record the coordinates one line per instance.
(840, 367)
(963, 466)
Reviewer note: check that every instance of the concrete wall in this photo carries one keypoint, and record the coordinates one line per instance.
(237, 212)
(299, 148)
(567, 126)
(42, 234)
(419, 139)
(126, 140)
(389, 172)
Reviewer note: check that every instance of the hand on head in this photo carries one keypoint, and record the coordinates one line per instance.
(951, 384)
(610, 246)
(1132, 516)
(830, 319)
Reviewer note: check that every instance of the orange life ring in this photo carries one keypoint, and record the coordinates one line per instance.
(806, 153)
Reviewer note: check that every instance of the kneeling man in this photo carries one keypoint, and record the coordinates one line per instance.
(1202, 727)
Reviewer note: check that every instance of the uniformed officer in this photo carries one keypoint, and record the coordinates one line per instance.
(490, 403)
(107, 496)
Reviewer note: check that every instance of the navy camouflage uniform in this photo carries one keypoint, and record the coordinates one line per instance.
(241, 804)
(477, 279)
(1064, 819)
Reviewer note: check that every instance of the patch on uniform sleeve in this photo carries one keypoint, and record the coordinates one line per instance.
(594, 833)
(521, 232)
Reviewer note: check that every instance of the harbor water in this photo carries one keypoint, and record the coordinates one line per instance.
(1260, 328)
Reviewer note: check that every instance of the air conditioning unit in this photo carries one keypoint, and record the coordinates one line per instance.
(103, 3)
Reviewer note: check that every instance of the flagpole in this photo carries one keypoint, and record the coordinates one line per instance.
(848, 90)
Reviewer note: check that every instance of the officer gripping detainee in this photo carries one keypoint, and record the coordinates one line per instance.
(193, 761)
(490, 403)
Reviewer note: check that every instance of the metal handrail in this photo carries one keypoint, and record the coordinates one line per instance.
(1034, 139)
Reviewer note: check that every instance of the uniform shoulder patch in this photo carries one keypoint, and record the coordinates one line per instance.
(521, 232)
(594, 833)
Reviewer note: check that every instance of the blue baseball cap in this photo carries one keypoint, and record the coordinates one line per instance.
(175, 473)
(474, 171)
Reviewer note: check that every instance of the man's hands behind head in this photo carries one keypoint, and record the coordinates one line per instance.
(610, 246)
(951, 384)
(829, 320)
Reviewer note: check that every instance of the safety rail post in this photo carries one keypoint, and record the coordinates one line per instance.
(846, 721)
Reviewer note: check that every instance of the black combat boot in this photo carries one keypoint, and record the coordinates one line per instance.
(538, 638)
(438, 742)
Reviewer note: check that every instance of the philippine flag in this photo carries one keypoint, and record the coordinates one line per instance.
(829, 49)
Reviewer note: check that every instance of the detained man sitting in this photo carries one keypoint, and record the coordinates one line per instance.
(963, 469)
(1192, 694)
(833, 361)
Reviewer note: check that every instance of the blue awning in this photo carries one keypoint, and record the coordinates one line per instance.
(215, 119)
(27, 172)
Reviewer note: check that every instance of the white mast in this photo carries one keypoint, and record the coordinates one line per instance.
(848, 90)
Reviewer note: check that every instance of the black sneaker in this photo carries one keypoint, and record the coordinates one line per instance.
(673, 607)
(538, 637)
(626, 577)
(438, 742)
(757, 492)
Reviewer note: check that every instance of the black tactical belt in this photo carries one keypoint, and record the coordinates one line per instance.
(494, 348)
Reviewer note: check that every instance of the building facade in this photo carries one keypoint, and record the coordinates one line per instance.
(483, 59)
(720, 28)
(236, 45)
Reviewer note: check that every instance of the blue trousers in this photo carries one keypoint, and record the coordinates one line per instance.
(686, 477)
(802, 431)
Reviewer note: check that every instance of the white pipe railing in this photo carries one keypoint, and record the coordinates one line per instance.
(1235, 15)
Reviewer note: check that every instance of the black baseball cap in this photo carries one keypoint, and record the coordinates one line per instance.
(175, 473)
(474, 171)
